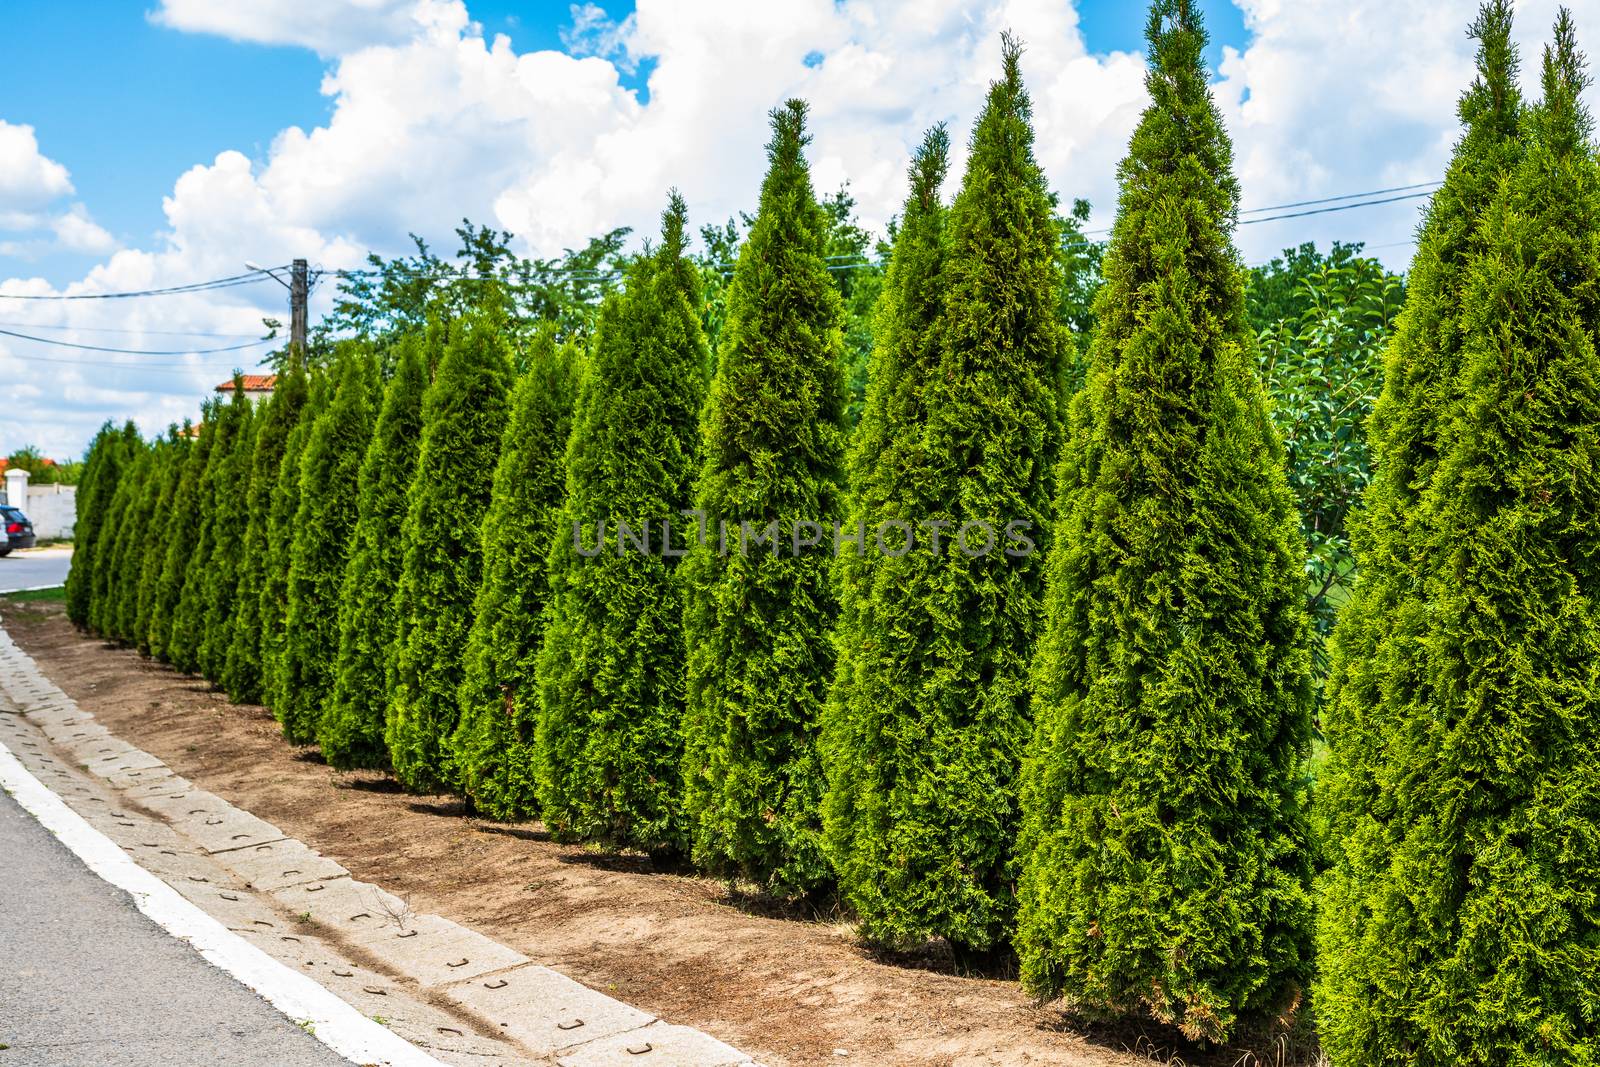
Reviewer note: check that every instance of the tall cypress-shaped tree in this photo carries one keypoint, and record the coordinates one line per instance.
(183, 534)
(1165, 855)
(877, 653)
(115, 532)
(325, 517)
(242, 673)
(285, 505)
(463, 418)
(492, 746)
(230, 517)
(136, 545)
(611, 670)
(101, 476)
(155, 547)
(189, 616)
(351, 729)
(1462, 914)
(757, 620)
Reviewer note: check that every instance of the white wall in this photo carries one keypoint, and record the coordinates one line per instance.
(52, 508)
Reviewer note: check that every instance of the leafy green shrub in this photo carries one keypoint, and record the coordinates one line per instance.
(351, 729)
(1164, 852)
(463, 417)
(492, 746)
(611, 671)
(756, 620)
(325, 516)
(242, 673)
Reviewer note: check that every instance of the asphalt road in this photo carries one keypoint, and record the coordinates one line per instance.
(34, 568)
(86, 979)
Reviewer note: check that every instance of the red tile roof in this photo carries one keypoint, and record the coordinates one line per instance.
(253, 383)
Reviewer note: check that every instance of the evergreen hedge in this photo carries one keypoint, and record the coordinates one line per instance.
(351, 728)
(757, 619)
(325, 516)
(161, 528)
(114, 537)
(147, 479)
(1165, 861)
(610, 674)
(492, 747)
(101, 475)
(229, 519)
(183, 535)
(283, 507)
(463, 417)
(1461, 914)
(242, 673)
(189, 615)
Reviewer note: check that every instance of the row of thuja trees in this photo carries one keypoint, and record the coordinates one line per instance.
(1091, 740)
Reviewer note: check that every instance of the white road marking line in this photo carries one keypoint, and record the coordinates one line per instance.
(332, 1021)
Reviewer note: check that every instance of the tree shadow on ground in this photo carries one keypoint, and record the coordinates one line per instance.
(1284, 1042)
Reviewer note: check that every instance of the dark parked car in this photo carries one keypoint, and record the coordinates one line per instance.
(18, 530)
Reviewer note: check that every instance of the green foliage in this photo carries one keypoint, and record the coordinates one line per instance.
(325, 516)
(114, 538)
(102, 473)
(230, 516)
(351, 728)
(610, 674)
(756, 620)
(135, 544)
(1165, 861)
(189, 614)
(182, 535)
(1461, 918)
(1323, 369)
(847, 250)
(242, 672)
(1080, 284)
(153, 561)
(878, 658)
(42, 469)
(463, 416)
(492, 746)
(273, 613)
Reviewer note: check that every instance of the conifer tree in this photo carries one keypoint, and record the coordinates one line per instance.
(1461, 921)
(230, 516)
(189, 615)
(325, 517)
(101, 475)
(463, 417)
(935, 698)
(492, 746)
(183, 534)
(611, 670)
(1164, 851)
(284, 506)
(757, 620)
(888, 483)
(112, 543)
(242, 674)
(136, 543)
(154, 556)
(351, 729)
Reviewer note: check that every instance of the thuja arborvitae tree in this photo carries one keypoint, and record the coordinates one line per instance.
(230, 517)
(189, 617)
(611, 670)
(757, 619)
(492, 747)
(350, 731)
(888, 479)
(242, 672)
(101, 475)
(136, 544)
(1462, 914)
(463, 418)
(325, 516)
(154, 549)
(1164, 852)
(182, 534)
(934, 702)
(111, 545)
(285, 504)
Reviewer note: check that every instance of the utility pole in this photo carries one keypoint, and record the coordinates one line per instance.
(298, 290)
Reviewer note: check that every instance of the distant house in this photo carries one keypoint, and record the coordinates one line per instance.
(256, 386)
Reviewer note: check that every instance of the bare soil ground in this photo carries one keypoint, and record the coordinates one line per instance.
(790, 990)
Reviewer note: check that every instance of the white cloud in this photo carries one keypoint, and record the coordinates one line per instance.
(431, 121)
(76, 232)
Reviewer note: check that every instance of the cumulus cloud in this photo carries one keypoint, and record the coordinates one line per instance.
(431, 120)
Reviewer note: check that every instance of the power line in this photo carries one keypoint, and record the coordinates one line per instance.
(250, 278)
(1335, 199)
(126, 329)
(138, 351)
(1341, 207)
(142, 368)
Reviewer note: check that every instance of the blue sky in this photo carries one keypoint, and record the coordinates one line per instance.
(139, 103)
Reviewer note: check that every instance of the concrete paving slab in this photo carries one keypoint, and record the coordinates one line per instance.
(656, 1045)
(545, 1010)
(353, 909)
(275, 864)
(437, 951)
